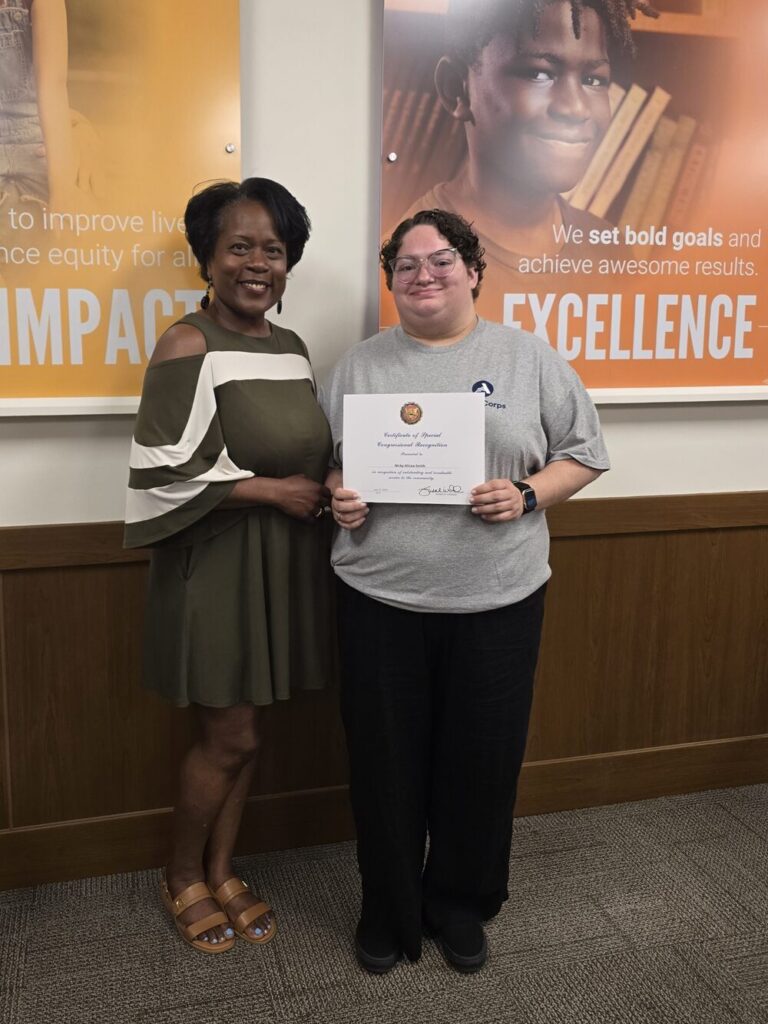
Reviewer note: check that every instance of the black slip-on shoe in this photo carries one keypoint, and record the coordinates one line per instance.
(375, 955)
(463, 944)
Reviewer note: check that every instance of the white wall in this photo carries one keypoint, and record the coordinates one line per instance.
(311, 120)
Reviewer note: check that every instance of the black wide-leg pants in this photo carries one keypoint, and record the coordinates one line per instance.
(436, 710)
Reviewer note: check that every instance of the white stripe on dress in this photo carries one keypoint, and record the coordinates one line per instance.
(148, 504)
(217, 368)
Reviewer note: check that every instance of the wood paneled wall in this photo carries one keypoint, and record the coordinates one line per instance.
(652, 680)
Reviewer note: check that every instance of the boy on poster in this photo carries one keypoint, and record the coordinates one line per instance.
(528, 81)
(667, 299)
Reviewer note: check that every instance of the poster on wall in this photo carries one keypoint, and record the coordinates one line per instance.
(111, 116)
(612, 156)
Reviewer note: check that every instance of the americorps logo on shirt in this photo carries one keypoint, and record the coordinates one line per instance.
(486, 388)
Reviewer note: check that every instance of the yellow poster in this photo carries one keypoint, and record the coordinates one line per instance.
(111, 116)
(612, 159)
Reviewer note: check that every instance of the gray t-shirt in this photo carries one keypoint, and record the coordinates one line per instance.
(442, 558)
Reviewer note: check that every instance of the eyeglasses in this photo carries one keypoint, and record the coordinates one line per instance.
(440, 264)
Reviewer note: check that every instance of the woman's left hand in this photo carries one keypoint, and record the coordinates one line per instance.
(347, 508)
(496, 501)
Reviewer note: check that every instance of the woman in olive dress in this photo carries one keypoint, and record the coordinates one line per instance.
(226, 486)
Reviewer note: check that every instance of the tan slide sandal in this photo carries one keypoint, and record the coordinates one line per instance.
(224, 895)
(195, 893)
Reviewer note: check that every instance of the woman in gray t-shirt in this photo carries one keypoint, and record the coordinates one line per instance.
(441, 606)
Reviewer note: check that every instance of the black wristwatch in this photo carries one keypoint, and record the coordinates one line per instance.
(529, 496)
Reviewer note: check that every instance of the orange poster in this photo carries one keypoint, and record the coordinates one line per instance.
(612, 158)
(111, 115)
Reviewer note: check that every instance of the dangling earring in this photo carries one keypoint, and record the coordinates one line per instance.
(206, 299)
(279, 306)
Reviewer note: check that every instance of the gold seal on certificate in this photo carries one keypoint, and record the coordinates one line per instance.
(411, 413)
(414, 449)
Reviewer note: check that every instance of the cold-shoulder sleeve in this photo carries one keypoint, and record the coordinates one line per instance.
(179, 468)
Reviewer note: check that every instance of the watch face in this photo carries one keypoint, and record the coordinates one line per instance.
(529, 496)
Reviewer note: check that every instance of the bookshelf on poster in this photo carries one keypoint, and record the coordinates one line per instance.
(645, 268)
(94, 264)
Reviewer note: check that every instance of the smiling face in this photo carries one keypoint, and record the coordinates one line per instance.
(428, 304)
(538, 106)
(248, 267)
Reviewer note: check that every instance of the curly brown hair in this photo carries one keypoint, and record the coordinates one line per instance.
(457, 231)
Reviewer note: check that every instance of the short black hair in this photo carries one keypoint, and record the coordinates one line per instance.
(471, 24)
(452, 227)
(203, 215)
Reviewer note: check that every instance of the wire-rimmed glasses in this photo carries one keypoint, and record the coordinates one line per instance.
(439, 263)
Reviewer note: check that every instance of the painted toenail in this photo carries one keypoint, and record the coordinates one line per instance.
(204, 938)
(258, 931)
(230, 933)
(214, 940)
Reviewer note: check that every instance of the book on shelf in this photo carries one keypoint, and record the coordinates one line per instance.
(688, 187)
(416, 122)
(656, 208)
(426, 140)
(616, 94)
(630, 152)
(392, 102)
(620, 125)
(404, 122)
(694, 7)
(650, 165)
(398, 113)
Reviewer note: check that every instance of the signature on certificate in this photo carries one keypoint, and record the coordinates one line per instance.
(424, 492)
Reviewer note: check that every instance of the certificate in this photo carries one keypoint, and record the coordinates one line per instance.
(414, 448)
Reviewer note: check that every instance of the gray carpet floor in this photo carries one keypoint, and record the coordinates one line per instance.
(645, 912)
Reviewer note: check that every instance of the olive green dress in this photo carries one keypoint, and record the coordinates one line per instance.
(240, 602)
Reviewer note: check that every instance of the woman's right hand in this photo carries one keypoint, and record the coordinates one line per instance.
(348, 511)
(300, 497)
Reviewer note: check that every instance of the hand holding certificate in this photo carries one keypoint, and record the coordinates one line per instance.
(415, 448)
